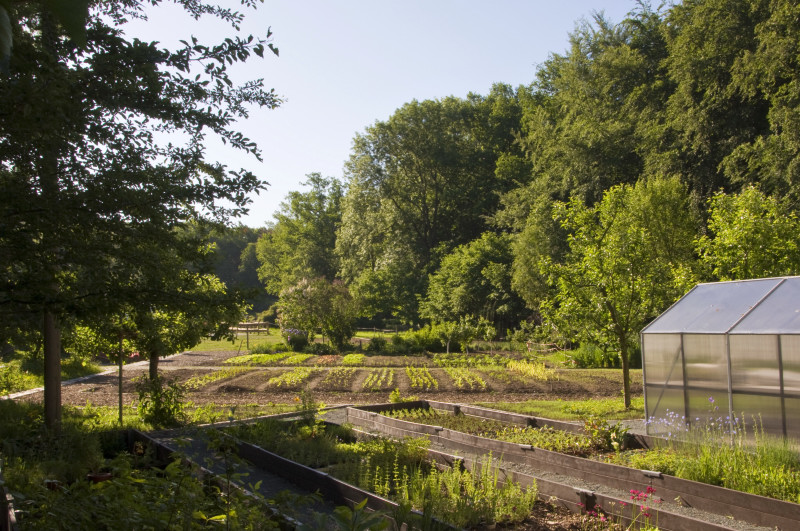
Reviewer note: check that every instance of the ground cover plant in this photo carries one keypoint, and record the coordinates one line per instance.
(607, 408)
(544, 438)
(532, 370)
(297, 359)
(421, 378)
(338, 379)
(353, 359)
(197, 382)
(398, 470)
(460, 359)
(727, 452)
(46, 474)
(465, 379)
(258, 359)
(294, 379)
(379, 380)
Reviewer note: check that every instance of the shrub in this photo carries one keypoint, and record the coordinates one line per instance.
(266, 348)
(376, 344)
(296, 339)
(589, 356)
(161, 401)
(320, 349)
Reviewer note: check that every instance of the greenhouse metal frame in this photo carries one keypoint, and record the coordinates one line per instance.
(726, 352)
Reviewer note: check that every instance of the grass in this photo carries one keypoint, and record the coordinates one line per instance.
(21, 371)
(604, 408)
(261, 339)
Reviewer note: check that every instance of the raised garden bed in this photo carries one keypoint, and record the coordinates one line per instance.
(757, 510)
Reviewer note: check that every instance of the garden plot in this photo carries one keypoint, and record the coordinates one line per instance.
(393, 475)
(376, 380)
(716, 503)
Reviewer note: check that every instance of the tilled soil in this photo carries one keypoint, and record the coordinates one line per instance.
(250, 385)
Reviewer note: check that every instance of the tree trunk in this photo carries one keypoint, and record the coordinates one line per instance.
(153, 365)
(52, 371)
(626, 380)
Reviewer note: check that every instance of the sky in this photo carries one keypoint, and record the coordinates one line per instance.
(345, 64)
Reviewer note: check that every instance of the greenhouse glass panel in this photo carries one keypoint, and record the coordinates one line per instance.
(714, 307)
(778, 313)
(665, 409)
(662, 363)
(757, 411)
(706, 405)
(706, 361)
(754, 364)
(792, 406)
(790, 354)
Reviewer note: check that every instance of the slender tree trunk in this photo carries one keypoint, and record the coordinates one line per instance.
(626, 380)
(153, 365)
(52, 371)
(51, 335)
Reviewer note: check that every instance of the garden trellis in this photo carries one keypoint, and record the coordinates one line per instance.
(727, 350)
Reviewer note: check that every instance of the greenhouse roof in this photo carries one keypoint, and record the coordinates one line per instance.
(761, 306)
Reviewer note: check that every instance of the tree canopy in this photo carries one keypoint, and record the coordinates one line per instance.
(102, 157)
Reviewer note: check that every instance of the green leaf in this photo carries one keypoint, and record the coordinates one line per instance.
(72, 15)
(5, 39)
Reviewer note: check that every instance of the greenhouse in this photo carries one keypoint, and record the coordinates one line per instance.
(726, 347)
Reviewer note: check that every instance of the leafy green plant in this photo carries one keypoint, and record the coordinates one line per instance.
(293, 379)
(197, 382)
(604, 435)
(338, 379)
(590, 356)
(379, 380)
(257, 359)
(395, 397)
(421, 378)
(465, 379)
(376, 344)
(297, 359)
(533, 370)
(353, 359)
(161, 401)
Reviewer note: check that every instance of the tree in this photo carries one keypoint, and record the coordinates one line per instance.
(706, 119)
(769, 71)
(630, 256)
(313, 304)
(475, 279)
(301, 241)
(752, 235)
(420, 184)
(236, 265)
(102, 158)
(582, 129)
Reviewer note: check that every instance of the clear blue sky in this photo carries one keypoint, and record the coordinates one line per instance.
(345, 64)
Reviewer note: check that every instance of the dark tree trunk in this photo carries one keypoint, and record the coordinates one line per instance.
(52, 371)
(153, 365)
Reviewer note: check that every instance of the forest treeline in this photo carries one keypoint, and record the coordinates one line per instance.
(652, 154)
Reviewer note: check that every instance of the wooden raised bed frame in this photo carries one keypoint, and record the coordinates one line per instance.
(751, 508)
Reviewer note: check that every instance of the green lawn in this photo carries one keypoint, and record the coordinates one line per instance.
(607, 408)
(262, 338)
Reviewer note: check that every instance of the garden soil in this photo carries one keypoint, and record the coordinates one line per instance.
(251, 385)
